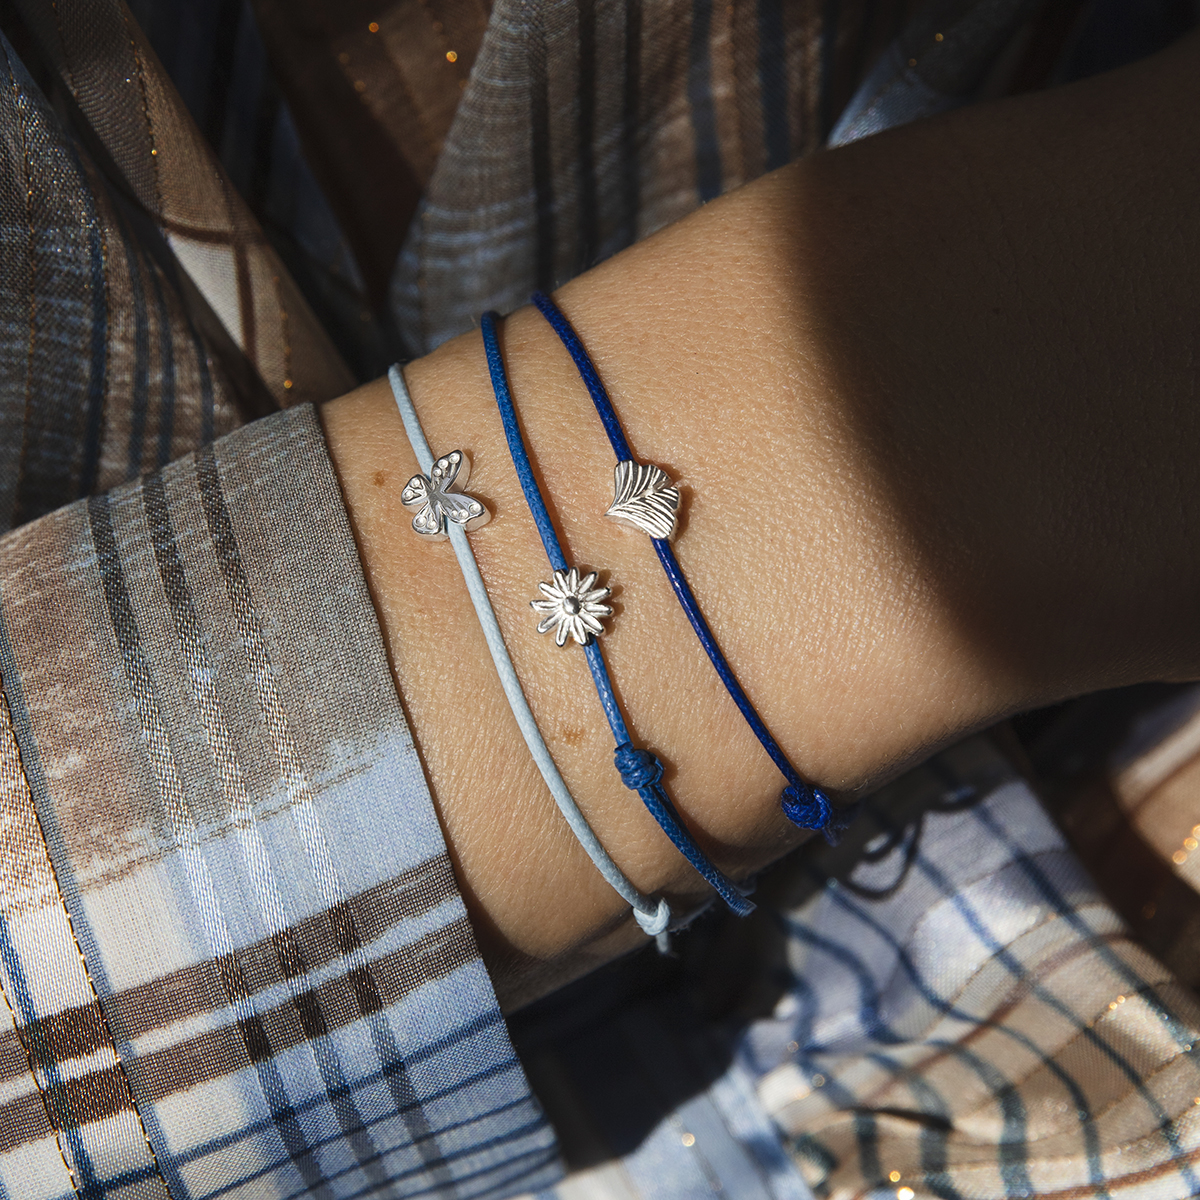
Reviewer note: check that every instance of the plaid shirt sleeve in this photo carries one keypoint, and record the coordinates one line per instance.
(233, 957)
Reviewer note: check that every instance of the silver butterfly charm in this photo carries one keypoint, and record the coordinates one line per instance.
(645, 498)
(438, 503)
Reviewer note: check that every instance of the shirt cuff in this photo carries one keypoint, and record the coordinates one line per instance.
(233, 956)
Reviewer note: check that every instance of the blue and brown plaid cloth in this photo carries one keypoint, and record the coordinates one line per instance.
(233, 958)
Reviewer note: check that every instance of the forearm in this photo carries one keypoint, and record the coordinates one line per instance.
(929, 399)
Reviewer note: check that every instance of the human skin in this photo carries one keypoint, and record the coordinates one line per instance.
(932, 402)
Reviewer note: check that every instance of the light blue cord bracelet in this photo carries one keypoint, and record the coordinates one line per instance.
(654, 916)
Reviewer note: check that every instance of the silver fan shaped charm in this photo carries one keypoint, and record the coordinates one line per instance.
(645, 498)
(438, 503)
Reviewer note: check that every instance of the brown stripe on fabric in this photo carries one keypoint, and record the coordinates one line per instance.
(12, 1056)
(344, 926)
(234, 1047)
(213, 237)
(330, 1005)
(202, 987)
(74, 1033)
(25, 1118)
(282, 956)
(993, 1022)
(1088, 1191)
(338, 131)
(1130, 872)
(22, 1121)
(206, 987)
(748, 60)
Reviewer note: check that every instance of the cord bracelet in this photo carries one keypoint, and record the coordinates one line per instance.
(646, 498)
(574, 606)
(442, 514)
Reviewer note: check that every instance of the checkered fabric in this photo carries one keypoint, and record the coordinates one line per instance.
(951, 1010)
(233, 960)
(233, 957)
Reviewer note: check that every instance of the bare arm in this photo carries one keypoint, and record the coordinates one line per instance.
(933, 399)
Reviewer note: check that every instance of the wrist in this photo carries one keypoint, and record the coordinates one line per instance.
(533, 895)
(872, 403)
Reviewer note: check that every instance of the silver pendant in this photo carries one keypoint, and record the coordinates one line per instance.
(645, 498)
(573, 607)
(438, 504)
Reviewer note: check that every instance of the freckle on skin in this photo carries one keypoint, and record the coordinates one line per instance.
(379, 478)
(573, 736)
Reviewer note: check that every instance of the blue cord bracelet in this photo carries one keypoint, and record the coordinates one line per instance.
(653, 915)
(640, 770)
(803, 804)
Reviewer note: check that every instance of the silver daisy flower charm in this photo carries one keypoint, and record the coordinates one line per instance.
(438, 503)
(573, 607)
(645, 498)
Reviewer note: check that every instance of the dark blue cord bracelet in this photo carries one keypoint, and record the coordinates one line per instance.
(571, 600)
(646, 499)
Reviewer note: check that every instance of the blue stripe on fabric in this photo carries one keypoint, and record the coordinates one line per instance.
(68, 886)
(807, 1006)
(700, 103)
(949, 1009)
(115, 1184)
(933, 1140)
(98, 349)
(141, 684)
(1012, 1108)
(42, 1054)
(1179, 1032)
(1181, 1035)
(166, 386)
(510, 1135)
(866, 1130)
(191, 639)
(500, 1187)
(225, 1141)
(1013, 1141)
(977, 925)
(396, 1177)
(395, 1074)
(773, 83)
(868, 1011)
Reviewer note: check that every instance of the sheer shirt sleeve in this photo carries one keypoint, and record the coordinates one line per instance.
(233, 957)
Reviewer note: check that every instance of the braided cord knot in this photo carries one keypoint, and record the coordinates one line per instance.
(805, 806)
(639, 768)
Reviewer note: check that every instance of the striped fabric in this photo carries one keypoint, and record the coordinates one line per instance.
(232, 951)
(233, 959)
(952, 1011)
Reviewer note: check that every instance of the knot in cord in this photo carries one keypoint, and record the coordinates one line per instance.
(805, 806)
(656, 922)
(809, 808)
(638, 768)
